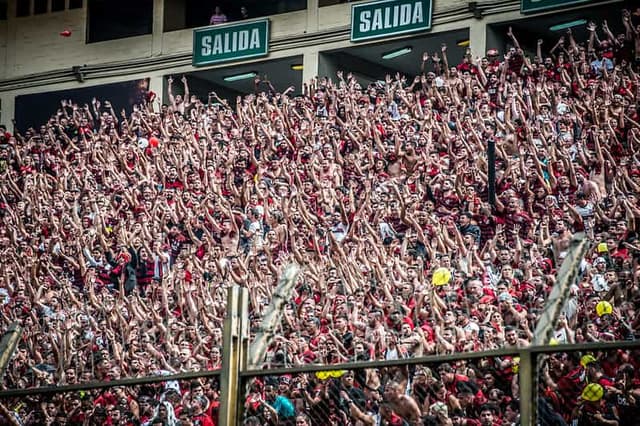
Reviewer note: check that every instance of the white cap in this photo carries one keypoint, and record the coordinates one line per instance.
(471, 327)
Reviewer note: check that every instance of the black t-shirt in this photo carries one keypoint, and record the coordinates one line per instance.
(347, 341)
(627, 411)
(358, 397)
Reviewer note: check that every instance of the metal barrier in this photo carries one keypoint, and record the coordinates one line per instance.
(527, 372)
(77, 404)
(236, 379)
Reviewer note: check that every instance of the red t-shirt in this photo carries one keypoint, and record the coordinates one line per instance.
(204, 419)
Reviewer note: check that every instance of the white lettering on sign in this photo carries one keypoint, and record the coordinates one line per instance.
(206, 46)
(230, 42)
(391, 17)
(365, 21)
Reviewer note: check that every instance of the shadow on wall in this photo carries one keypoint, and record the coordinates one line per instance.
(35, 110)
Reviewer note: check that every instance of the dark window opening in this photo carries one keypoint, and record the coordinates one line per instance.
(75, 4)
(181, 14)
(323, 3)
(114, 19)
(57, 5)
(23, 8)
(39, 7)
(3, 10)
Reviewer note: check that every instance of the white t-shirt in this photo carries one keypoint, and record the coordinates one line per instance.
(599, 283)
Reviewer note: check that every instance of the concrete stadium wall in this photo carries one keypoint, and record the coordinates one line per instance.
(32, 47)
(32, 44)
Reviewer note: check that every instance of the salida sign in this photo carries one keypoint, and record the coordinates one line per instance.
(389, 17)
(222, 43)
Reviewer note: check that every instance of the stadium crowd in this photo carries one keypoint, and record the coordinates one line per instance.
(120, 234)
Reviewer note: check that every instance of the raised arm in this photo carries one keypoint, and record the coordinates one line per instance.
(513, 38)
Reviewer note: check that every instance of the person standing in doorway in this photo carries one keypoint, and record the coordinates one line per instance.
(218, 17)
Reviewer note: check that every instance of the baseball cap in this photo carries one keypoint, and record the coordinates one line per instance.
(441, 276)
(439, 407)
(593, 392)
(587, 359)
(285, 380)
(471, 327)
(505, 297)
(604, 308)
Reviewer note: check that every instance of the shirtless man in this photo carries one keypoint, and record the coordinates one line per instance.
(409, 157)
(179, 103)
(563, 238)
(402, 405)
(229, 235)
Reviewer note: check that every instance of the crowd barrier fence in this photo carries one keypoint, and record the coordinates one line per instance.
(235, 376)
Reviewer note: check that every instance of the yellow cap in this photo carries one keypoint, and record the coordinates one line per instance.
(587, 359)
(603, 248)
(603, 307)
(441, 276)
(324, 375)
(516, 364)
(592, 392)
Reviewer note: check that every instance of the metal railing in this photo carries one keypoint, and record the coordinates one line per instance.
(236, 377)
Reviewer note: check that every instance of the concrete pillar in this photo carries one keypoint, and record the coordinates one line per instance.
(156, 85)
(310, 60)
(478, 38)
(158, 27)
(10, 38)
(312, 16)
(7, 109)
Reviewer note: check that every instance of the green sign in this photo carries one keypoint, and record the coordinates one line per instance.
(389, 17)
(232, 42)
(528, 6)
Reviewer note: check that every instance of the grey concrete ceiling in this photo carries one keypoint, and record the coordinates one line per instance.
(278, 71)
(366, 59)
(529, 30)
